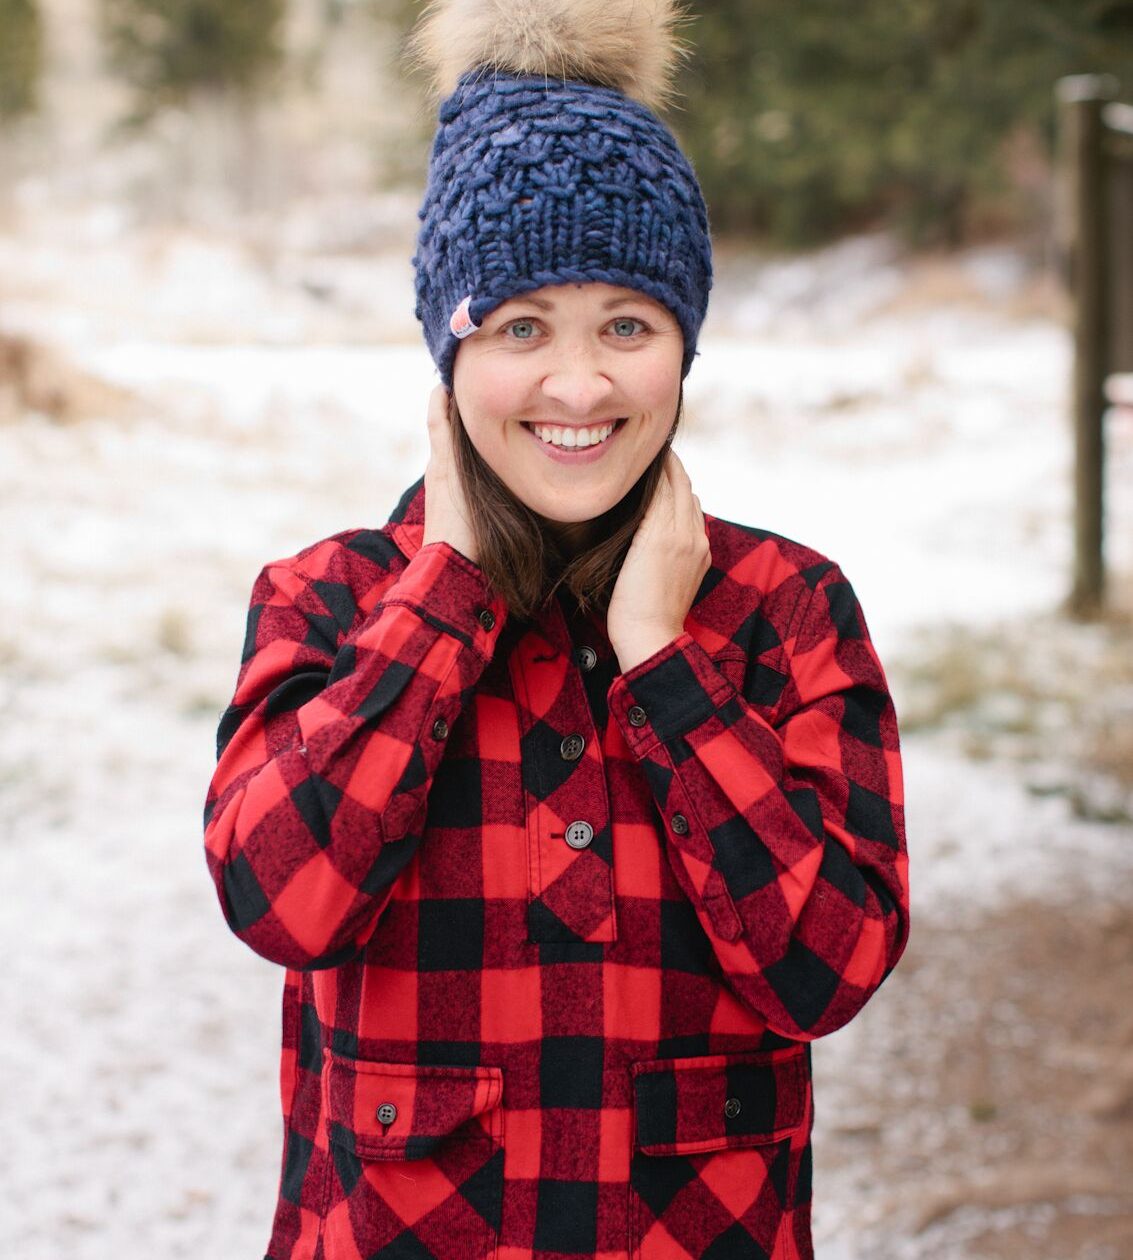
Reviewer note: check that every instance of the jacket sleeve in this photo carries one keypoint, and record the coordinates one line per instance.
(327, 752)
(786, 834)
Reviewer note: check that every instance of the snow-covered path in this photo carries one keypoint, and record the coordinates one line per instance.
(924, 448)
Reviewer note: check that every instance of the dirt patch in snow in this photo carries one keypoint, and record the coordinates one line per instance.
(993, 1109)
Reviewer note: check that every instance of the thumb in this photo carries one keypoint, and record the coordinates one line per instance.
(436, 420)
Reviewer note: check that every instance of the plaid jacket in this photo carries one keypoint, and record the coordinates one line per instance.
(557, 937)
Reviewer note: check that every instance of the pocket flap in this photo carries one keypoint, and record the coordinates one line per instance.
(682, 1106)
(403, 1110)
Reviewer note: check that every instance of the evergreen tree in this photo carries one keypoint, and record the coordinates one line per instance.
(20, 57)
(172, 49)
(804, 120)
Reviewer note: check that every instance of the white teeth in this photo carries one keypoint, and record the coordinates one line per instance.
(570, 438)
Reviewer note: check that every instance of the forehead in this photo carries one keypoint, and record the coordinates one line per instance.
(594, 297)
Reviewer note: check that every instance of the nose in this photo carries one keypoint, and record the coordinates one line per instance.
(578, 383)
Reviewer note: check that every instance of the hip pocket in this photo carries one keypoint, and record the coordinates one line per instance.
(416, 1159)
(718, 1144)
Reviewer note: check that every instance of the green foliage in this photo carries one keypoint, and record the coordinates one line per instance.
(169, 49)
(805, 119)
(20, 57)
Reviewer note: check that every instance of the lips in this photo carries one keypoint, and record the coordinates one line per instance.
(591, 427)
(576, 454)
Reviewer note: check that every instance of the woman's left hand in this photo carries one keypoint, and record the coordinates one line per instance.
(662, 571)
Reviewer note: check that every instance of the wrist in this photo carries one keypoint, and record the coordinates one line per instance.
(631, 652)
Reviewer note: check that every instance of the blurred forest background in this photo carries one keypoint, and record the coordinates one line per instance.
(934, 117)
(208, 359)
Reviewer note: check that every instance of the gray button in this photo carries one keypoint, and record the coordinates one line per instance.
(571, 747)
(587, 658)
(680, 824)
(732, 1108)
(579, 835)
(387, 1113)
(487, 618)
(440, 729)
(637, 716)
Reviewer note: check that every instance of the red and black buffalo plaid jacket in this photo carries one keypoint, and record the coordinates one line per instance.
(556, 936)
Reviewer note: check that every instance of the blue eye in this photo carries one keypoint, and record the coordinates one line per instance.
(627, 327)
(522, 329)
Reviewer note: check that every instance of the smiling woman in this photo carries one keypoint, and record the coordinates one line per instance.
(564, 400)
(572, 811)
(572, 366)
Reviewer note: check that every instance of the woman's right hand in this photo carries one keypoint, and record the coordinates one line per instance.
(447, 518)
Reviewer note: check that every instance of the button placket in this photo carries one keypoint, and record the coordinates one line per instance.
(570, 864)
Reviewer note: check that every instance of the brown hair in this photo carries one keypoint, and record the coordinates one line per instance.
(519, 554)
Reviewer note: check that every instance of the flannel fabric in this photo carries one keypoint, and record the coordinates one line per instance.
(557, 937)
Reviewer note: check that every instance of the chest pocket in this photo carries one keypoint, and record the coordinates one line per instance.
(416, 1159)
(718, 1147)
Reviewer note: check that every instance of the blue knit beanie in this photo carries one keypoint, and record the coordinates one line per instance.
(539, 181)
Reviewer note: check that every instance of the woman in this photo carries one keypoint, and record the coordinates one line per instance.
(573, 813)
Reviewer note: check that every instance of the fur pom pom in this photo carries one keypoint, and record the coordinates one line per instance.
(625, 44)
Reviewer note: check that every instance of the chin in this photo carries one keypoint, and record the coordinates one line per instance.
(577, 514)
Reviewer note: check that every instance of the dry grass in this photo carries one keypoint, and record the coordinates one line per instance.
(34, 378)
(937, 280)
(1050, 693)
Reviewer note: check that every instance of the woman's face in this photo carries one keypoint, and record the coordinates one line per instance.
(568, 393)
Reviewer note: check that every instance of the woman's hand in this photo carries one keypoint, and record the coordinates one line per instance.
(447, 518)
(662, 571)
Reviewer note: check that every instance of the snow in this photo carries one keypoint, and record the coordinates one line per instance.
(280, 397)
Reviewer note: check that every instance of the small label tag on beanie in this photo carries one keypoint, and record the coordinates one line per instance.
(461, 323)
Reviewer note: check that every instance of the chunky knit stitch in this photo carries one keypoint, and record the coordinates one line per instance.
(537, 182)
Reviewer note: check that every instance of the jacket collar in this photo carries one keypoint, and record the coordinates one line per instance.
(407, 529)
(407, 520)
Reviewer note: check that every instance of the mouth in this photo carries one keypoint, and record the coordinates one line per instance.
(573, 441)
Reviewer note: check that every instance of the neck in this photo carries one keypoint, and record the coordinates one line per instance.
(573, 538)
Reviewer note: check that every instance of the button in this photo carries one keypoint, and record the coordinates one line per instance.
(440, 729)
(637, 716)
(587, 658)
(387, 1113)
(487, 618)
(732, 1108)
(680, 824)
(579, 835)
(571, 747)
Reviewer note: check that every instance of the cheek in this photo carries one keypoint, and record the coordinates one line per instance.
(658, 391)
(486, 395)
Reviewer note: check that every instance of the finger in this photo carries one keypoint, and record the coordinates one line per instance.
(437, 417)
(685, 502)
(701, 522)
(677, 469)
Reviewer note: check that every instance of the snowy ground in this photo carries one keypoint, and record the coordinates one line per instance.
(913, 430)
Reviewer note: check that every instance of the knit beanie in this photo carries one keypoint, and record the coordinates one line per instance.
(549, 165)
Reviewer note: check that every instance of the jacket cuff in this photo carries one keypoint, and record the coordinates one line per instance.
(668, 694)
(450, 592)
